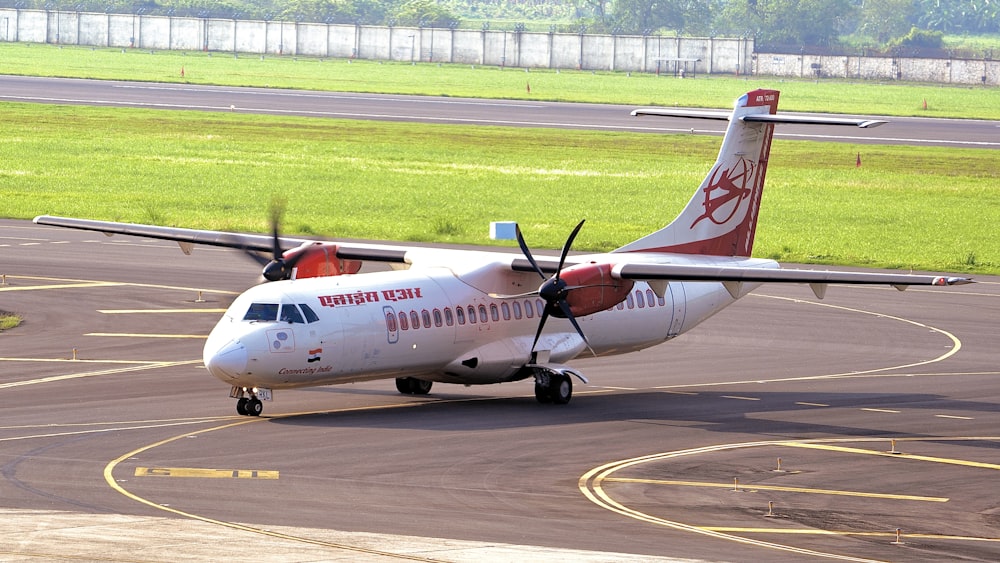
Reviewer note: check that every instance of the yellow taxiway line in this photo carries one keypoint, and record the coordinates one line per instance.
(774, 488)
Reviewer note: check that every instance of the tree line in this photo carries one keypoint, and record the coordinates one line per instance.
(867, 23)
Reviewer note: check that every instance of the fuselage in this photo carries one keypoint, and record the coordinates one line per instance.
(436, 323)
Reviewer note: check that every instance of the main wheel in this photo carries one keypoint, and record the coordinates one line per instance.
(241, 406)
(560, 389)
(403, 385)
(542, 394)
(420, 386)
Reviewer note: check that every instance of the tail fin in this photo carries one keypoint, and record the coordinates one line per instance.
(721, 218)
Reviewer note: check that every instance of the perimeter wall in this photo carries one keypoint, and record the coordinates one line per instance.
(649, 53)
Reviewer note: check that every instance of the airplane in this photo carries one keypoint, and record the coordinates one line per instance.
(477, 317)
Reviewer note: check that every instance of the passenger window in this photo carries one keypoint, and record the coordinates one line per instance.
(460, 313)
(414, 320)
(528, 310)
(449, 319)
(630, 301)
(494, 313)
(291, 314)
(438, 321)
(262, 312)
(650, 298)
(639, 299)
(403, 323)
(472, 314)
(482, 314)
(311, 316)
(517, 310)
(505, 310)
(390, 321)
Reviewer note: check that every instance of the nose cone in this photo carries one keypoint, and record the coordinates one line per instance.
(227, 363)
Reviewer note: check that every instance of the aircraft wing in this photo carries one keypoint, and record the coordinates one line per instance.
(186, 238)
(733, 276)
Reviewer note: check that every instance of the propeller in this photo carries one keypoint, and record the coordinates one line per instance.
(278, 268)
(553, 290)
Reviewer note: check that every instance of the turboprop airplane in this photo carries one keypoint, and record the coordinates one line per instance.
(482, 317)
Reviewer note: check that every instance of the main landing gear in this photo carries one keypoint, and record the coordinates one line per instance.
(552, 387)
(413, 386)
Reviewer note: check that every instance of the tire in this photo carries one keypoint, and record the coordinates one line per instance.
(542, 394)
(420, 386)
(561, 389)
(403, 385)
(241, 406)
(254, 407)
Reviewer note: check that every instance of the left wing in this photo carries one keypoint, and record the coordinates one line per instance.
(186, 238)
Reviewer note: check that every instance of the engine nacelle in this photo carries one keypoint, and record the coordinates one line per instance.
(318, 259)
(595, 289)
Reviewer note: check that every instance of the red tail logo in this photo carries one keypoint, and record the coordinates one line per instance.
(725, 192)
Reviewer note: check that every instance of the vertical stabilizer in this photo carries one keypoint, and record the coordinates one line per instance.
(721, 218)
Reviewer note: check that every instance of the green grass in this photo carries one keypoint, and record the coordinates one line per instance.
(8, 321)
(922, 208)
(476, 81)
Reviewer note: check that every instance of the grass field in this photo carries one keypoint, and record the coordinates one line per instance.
(922, 208)
(872, 98)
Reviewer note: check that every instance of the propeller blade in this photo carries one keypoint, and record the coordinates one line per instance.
(569, 315)
(541, 325)
(526, 251)
(566, 247)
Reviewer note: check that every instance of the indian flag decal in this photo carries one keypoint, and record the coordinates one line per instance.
(314, 355)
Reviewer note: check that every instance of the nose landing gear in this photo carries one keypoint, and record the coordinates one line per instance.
(247, 401)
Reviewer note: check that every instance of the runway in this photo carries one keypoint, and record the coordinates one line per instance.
(862, 427)
(459, 111)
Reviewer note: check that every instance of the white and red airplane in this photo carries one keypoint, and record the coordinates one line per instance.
(481, 317)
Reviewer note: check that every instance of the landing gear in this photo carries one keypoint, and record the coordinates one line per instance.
(552, 387)
(413, 386)
(247, 405)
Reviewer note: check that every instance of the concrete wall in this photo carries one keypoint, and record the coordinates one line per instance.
(651, 53)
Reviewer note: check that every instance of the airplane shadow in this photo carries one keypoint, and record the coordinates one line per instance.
(713, 411)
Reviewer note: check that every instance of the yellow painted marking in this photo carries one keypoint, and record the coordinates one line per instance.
(890, 411)
(675, 392)
(149, 285)
(806, 532)
(81, 284)
(891, 455)
(775, 488)
(79, 361)
(954, 416)
(113, 371)
(617, 388)
(205, 473)
(130, 311)
(805, 404)
(136, 335)
(740, 398)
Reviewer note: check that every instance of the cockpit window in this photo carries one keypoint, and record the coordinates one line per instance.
(311, 316)
(262, 312)
(291, 314)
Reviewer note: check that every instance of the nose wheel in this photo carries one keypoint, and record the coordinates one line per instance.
(249, 406)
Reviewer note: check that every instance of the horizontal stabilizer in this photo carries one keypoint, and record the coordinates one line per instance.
(800, 119)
